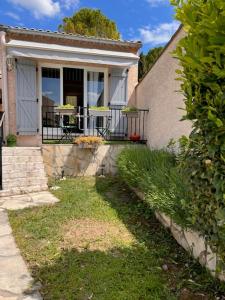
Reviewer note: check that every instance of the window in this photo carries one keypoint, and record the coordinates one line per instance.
(50, 87)
(95, 88)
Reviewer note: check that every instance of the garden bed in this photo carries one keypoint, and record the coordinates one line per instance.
(157, 180)
(192, 241)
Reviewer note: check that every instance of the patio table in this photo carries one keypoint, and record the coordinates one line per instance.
(68, 128)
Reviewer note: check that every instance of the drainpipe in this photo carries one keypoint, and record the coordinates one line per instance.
(4, 82)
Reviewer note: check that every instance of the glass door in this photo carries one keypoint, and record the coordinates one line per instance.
(95, 88)
(51, 95)
(95, 96)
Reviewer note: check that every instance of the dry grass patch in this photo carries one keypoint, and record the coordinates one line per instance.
(91, 234)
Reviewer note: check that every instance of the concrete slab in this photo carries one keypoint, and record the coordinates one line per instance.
(16, 282)
(5, 228)
(28, 200)
(14, 275)
(8, 246)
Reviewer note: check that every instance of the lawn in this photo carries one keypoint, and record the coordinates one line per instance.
(101, 243)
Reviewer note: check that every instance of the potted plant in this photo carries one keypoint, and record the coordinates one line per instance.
(135, 137)
(88, 142)
(64, 109)
(99, 111)
(11, 140)
(130, 112)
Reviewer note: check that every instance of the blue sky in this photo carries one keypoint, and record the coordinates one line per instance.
(151, 21)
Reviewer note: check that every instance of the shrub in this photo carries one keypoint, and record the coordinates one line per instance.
(11, 140)
(99, 108)
(202, 57)
(91, 140)
(65, 106)
(129, 109)
(155, 173)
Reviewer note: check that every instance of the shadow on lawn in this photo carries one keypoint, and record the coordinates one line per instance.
(139, 219)
(131, 273)
(118, 274)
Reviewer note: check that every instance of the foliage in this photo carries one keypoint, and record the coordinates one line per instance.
(66, 106)
(154, 172)
(90, 22)
(122, 272)
(91, 140)
(147, 61)
(129, 109)
(11, 140)
(99, 108)
(202, 58)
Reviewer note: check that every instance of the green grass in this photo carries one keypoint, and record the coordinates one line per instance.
(126, 266)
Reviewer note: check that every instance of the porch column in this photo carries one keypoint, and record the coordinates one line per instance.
(4, 82)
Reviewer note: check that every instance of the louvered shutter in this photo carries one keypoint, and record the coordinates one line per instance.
(26, 99)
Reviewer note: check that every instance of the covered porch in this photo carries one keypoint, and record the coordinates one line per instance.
(47, 73)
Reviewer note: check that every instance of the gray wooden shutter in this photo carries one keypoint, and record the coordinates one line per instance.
(26, 98)
(118, 87)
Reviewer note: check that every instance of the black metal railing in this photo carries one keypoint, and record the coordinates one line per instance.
(62, 125)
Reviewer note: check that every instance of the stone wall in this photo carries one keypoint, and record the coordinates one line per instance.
(70, 160)
(22, 171)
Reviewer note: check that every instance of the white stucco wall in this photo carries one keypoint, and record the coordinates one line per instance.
(158, 92)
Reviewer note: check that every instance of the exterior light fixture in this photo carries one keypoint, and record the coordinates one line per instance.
(10, 62)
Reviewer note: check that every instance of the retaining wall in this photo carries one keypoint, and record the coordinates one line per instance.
(192, 241)
(70, 160)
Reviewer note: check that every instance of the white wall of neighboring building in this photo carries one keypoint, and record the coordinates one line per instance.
(159, 92)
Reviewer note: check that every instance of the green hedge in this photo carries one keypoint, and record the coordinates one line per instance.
(202, 58)
(156, 174)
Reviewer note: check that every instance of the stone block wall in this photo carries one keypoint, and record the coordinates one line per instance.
(70, 160)
(22, 171)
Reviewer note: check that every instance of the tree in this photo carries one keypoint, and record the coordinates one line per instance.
(90, 22)
(141, 66)
(147, 61)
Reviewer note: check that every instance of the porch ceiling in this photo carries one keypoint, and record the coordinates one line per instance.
(19, 48)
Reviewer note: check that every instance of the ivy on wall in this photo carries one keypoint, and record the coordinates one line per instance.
(202, 57)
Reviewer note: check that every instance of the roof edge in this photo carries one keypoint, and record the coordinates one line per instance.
(69, 36)
(164, 49)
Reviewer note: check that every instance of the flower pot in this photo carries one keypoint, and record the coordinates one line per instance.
(130, 114)
(99, 113)
(11, 144)
(135, 137)
(65, 111)
(87, 146)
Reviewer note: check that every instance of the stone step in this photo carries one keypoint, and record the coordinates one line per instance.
(21, 191)
(22, 171)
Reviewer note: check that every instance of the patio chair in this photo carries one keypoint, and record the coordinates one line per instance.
(68, 128)
(104, 131)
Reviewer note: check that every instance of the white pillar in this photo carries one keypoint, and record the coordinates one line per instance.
(4, 82)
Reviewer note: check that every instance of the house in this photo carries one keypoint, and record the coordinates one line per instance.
(44, 69)
(159, 91)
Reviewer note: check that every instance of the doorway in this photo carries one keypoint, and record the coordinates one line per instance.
(73, 87)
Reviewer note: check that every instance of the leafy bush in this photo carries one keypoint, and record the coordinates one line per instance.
(130, 109)
(99, 108)
(65, 106)
(11, 140)
(91, 140)
(155, 173)
(202, 57)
